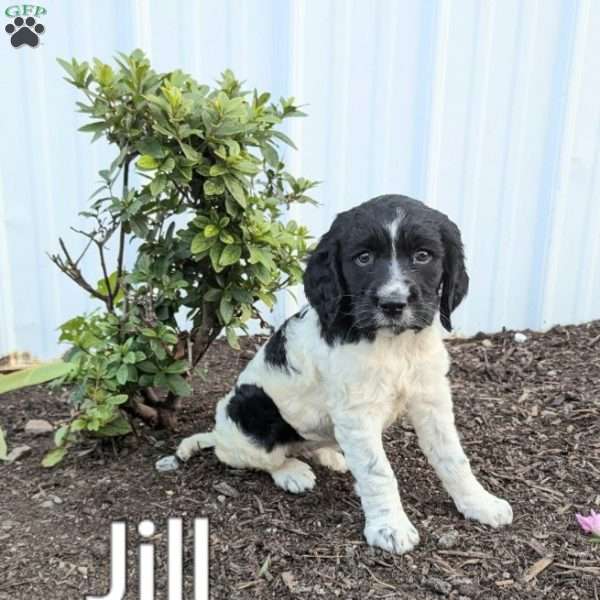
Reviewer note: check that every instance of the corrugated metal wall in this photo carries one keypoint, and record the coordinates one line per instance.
(488, 110)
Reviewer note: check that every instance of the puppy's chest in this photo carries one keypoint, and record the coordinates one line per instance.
(382, 378)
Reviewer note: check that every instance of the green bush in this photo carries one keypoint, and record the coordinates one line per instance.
(207, 215)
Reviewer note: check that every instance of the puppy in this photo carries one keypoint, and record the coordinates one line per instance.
(381, 284)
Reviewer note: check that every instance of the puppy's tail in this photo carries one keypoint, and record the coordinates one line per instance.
(193, 444)
(205, 440)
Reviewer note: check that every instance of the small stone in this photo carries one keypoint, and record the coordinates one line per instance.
(17, 452)
(438, 585)
(99, 549)
(167, 463)
(448, 539)
(225, 489)
(55, 499)
(520, 337)
(466, 587)
(221, 498)
(47, 504)
(487, 343)
(289, 580)
(7, 525)
(38, 427)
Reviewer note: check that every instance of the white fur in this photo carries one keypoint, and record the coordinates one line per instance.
(345, 395)
(396, 284)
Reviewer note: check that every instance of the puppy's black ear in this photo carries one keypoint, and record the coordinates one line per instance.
(455, 281)
(323, 280)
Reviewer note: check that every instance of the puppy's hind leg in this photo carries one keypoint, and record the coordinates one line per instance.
(194, 444)
(294, 476)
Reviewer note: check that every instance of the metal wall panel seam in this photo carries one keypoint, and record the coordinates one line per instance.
(8, 338)
(436, 109)
(143, 28)
(560, 202)
(297, 32)
(514, 162)
(477, 125)
(337, 147)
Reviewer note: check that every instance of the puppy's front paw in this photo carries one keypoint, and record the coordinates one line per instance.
(488, 509)
(397, 537)
(332, 459)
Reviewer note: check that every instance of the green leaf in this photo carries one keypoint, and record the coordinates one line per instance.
(102, 288)
(3, 447)
(117, 399)
(158, 350)
(226, 237)
(212, 295)
(217, 170)
(116, 427)
(201, 244)
(234, 187)
(215, 255)
(54, 457)
(168, 165)
(284, 138)
(122, 374)
(130, 358)
(261, 255)
(189, 152)
(268, 299)
(60, 435)
(152, 147)
(147, 367)
(34, 375)
(241, 295)
(230, 255)
(232, 338)
(179, 366)
(270, 155)
(213, 187)
(147, 163)
(211, 231)
(226, 309)
(158, 184)
(231, 206)
(178, 385)
(94, 127)
(169, 337)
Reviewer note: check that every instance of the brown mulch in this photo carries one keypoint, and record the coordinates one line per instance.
(529, 415)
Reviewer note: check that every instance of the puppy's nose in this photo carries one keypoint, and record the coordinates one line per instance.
(392, 305)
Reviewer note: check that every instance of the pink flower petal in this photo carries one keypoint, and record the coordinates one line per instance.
(584, 522)
(590, 524)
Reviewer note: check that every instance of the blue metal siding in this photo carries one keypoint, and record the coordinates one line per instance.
(486, 110)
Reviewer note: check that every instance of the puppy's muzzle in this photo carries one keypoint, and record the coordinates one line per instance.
(392, 306)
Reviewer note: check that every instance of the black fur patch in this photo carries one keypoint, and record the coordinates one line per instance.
(258, 417)
(275, 353)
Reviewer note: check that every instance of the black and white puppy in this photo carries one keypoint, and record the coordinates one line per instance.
(381, 284)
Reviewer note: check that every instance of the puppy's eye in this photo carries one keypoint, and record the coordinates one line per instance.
(422, 257)
(364, 259)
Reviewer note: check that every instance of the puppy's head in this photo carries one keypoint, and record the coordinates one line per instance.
(389, 264)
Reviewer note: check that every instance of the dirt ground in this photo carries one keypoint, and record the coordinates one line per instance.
(528, 414)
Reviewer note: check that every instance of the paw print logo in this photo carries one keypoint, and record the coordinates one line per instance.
(24, 31)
